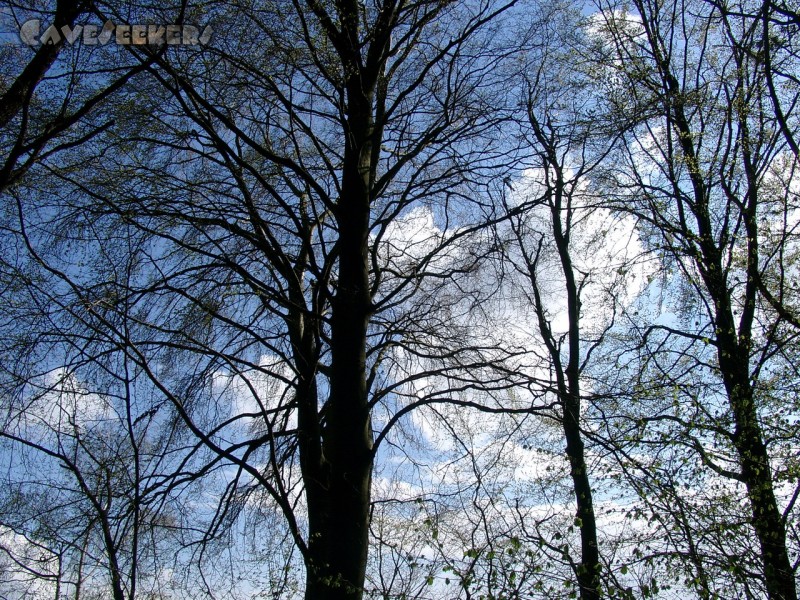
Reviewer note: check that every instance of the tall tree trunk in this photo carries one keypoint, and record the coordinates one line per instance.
(568, 378)
(569, 391)
(339, 507)
(733, 343)
(339, 513)
(733, 355)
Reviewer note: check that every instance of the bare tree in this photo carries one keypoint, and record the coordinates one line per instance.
(52, 91)
(266, 183)
(703, 168)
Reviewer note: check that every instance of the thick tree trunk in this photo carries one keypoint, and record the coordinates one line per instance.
(339, 502)
(339, 506)
(338, 482)
(338, 530)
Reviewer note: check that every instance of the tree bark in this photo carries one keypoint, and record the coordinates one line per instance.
(339, 504)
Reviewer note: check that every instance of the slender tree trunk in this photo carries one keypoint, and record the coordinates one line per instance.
(589, 567)
(568, 384)
(754, 461)
(569, 390)
(733, 344)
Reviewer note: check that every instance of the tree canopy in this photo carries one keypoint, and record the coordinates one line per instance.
(399, 299)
